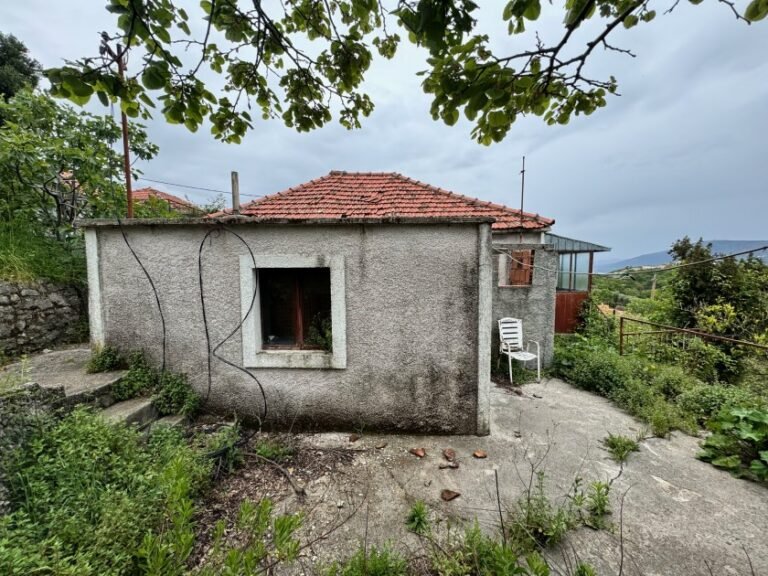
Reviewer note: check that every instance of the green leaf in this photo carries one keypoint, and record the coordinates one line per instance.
(154, 77)
(630, 21)
(533, 10)
(732, 462)
(759, 469)
(497, 119)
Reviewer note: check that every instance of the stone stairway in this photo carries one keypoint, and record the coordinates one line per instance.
(66, 370)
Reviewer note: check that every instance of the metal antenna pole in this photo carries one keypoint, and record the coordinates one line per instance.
(522, 199)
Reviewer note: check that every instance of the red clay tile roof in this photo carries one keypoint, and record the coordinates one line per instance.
(143, 194)
(377, 195)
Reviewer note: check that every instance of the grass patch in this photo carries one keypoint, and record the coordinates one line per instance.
(274, 449)
(27, 255)
(620, 447)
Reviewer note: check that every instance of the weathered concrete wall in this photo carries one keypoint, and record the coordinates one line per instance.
(38, 315)
(534, 304)
(411, 320)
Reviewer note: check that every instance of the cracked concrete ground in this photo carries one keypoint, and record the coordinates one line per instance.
(680, 515)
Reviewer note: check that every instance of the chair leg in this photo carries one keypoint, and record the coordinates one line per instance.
(498, 362)
(538, 368)
(510, 368)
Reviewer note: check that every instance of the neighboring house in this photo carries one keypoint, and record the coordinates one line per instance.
(574, 279)
(173, 203)
(357, 300)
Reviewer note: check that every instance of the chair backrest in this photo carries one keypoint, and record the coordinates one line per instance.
(511, 332)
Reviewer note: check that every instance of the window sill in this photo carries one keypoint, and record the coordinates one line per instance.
(295, 359)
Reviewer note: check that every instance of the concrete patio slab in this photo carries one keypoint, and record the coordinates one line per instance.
(680, 515)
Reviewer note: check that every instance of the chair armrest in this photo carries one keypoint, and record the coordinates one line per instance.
(538, 347)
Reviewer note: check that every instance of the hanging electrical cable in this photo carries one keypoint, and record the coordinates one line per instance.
(151, 283)
(213, 352)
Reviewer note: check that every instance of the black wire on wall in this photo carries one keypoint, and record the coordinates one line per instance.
(213, 351)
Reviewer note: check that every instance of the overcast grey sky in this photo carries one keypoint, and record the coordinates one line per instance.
(682, 151)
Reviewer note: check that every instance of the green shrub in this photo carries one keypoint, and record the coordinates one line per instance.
(174, 395)
(372, 562)
(642, 388)
(704, 401)
(620, 446)
(739, 442)
(223, 445)
(171, 392)
(598, 505)
(139, 380)
(84, 492)
(537, 522)
(105, 359)
(418, 520)
(590, 365)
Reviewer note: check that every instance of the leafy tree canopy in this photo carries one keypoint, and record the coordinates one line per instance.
(57, 164)
(301, 60)
(17, 68)
(727, 297)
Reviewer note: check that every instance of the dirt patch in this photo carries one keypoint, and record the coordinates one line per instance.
(256, 479)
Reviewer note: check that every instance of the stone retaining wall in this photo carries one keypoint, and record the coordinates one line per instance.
(39, 315)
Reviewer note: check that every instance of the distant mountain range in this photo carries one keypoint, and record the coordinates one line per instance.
(662, 257)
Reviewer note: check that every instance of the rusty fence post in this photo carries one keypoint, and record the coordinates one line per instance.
(621, 335)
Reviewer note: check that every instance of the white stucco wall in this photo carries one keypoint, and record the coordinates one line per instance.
(413, 318)
(534, 304)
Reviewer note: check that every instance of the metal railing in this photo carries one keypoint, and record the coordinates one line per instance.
(660, 329)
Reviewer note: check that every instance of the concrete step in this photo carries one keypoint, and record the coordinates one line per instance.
(173, 421)
(66, 369)
(139, 411)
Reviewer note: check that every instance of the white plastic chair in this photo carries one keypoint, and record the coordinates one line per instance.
(511, 344)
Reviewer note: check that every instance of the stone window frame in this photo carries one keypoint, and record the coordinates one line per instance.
(254, 355)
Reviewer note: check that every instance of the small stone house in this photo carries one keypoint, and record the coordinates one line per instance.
(356, 300)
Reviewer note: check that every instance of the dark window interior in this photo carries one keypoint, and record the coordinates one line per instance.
(295, 307)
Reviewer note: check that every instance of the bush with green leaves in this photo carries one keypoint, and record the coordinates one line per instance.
(224, 446)
(174, 395)
(105, 359)
(139, 380)
(376, 561)
(642, 388)
(536, 522)
(706, 400)
(620, 447)
(171, 392)
(739, 442)
(84, 492)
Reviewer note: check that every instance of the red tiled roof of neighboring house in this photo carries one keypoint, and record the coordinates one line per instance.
(143, 194)
(377, 195)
